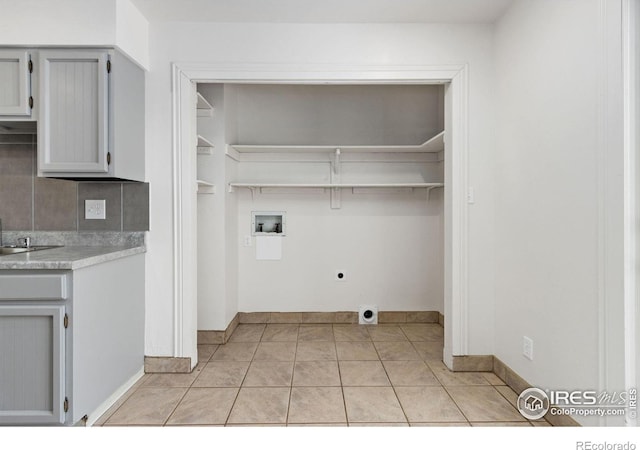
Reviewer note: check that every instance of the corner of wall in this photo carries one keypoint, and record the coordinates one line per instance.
(132, 33)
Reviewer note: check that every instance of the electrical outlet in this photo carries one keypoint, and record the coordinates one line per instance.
(247, 241)
(527, 347)
(95, 209)
(471, 195)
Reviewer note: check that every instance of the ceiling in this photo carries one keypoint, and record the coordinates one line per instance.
(324, 11)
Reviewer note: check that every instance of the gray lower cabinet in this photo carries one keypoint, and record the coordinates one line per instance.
(69, 340)
(32, 344)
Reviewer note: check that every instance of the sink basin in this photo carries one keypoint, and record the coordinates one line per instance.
(12, 250)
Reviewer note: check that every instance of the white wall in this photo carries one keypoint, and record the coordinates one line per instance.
(389, 247)
(551, 266)
(217, 226)
(77, 23)
(636, 134)
(632, 8)
(338, 114)
(320, 44)
(65, 22)
(132, 32)
(388, 244)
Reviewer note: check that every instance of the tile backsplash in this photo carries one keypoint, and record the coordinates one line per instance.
(29, 202)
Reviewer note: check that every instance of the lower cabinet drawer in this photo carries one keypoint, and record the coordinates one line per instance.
(34, 286)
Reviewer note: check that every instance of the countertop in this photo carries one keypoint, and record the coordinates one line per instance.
(67, 258)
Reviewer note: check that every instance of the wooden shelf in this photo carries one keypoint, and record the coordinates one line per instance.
(433, 145)
(205, 188)
(205, 147)
(203, 107)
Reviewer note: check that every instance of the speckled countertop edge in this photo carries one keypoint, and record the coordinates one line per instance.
(67, 258)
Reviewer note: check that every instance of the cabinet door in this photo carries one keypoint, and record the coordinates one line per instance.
(32, 368)
(73, 128)
(15, 86)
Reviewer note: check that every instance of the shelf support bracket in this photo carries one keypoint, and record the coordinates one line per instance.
(232, 189)
(429, 189)
(336, 198)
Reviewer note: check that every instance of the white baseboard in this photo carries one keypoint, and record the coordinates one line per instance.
(108, 403)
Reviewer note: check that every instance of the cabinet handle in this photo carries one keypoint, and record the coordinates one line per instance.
(108, 158)
(31, 102)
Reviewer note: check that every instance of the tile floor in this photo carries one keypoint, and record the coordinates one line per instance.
(344, 375)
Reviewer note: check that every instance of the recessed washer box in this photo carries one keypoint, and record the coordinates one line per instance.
(268, 223)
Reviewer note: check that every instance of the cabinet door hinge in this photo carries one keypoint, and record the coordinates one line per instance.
(108, 158)
(108, 66)
(66, 404)
(31, 102)
(66, 321)
(30, 66)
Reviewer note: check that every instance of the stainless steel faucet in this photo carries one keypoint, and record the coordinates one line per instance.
(24, 242)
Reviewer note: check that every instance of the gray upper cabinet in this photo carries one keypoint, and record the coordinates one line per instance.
(91, 115)
(73, 133)
(15, 83)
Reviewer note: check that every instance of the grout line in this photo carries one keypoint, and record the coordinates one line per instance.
(79, 210)
(293, 374)
(188, 388)
(393, 387)
(34, 174)
(457, 406)
(213, 353)
(264, 328)
(505, 397)
(121, 207)
(175, 407)
(226, 422)
(405, 334)
(204, 364)
(509, 402)
(126, 396)
(344, 397)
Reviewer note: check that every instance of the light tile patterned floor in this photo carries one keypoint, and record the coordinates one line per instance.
(345, 375)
